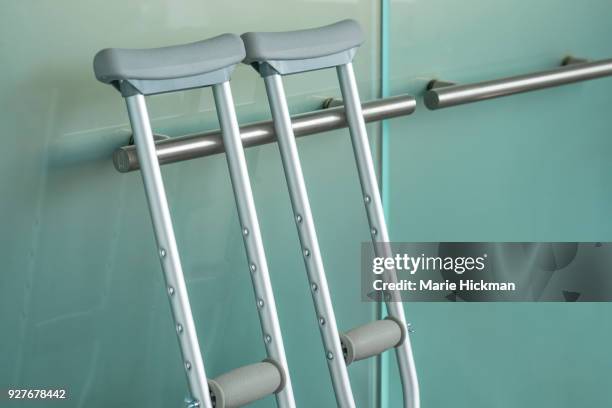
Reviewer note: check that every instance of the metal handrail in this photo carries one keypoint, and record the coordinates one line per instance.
(442, 94)
(209, 143)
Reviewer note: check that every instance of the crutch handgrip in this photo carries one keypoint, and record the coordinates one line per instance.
(371, 339)
(246, 384)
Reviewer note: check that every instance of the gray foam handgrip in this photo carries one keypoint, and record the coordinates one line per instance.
(370, 339)
(245, 385)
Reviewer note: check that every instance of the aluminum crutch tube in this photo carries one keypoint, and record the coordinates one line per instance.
(168, 250)
(251, 234)
(308, 240)
(378, 226)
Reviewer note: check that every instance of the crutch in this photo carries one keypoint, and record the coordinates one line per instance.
(277, 54)
(136, 73)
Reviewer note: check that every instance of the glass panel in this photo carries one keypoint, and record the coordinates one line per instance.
(81, 298)
(529, 167)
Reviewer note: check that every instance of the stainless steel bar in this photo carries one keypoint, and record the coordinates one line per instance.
(444, 97)
(378, 225)
(167, 251)
(308, 240)
(205, 144)
(251, 234)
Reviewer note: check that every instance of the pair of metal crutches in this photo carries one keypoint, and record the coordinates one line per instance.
(136, 73)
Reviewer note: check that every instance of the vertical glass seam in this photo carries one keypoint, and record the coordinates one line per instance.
(383, 384)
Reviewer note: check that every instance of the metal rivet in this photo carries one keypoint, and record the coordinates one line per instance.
(322, 321)
(330, 355)
(268, 339)
(298, 219)
(179, 328)
(260, 303)
(193, 404)
(374, 231)
(306, 252)
(367, 199)
(187, 365)
(253, 267)
(162, 252)
(314, 287)
(245, 231)
(170, 290)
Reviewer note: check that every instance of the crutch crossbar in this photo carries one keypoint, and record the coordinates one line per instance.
(245, 385)
(371, 339)
(136, 73)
